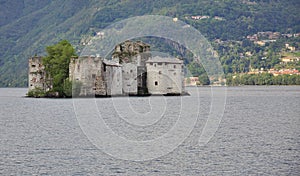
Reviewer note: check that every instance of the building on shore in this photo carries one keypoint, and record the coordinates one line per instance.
(192, 81)
(103, 77)
(165, 75)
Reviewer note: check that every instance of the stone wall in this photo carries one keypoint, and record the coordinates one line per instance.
(113, 78)
(127, 51)
(99, 77)
(36, 74)
(129, 73)
(165, 76)
(89, 71)
(133, 57)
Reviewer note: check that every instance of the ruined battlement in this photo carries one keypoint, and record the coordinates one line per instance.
(36, 73)
(128, 52)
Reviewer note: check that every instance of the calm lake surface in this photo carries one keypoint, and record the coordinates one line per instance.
(259, 134)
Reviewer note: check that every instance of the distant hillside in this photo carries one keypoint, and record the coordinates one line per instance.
(28, 26)
(14, 9)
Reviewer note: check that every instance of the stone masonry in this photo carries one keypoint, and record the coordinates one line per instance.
(37, 75)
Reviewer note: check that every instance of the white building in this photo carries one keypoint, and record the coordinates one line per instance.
(165, 76)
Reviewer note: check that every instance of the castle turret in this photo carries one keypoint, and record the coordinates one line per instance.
(37, 74)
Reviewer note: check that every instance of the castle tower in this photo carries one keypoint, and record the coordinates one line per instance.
(133, 56)
(37, 74)
(165, 76)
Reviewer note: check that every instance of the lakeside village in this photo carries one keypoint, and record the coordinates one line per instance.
(264, 58)
(243, 69)
(131, 71)
(266, 52)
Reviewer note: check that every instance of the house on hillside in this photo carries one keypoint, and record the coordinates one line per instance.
(192, 81)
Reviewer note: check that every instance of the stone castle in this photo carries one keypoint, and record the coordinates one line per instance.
(131, 71)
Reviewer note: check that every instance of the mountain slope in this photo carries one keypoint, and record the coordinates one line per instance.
(29, 26)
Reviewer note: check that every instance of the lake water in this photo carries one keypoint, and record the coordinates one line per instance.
(259, 134)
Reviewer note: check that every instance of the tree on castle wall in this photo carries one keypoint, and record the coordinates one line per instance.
(57, 65)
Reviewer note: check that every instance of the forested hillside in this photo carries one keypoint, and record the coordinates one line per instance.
(28, 26)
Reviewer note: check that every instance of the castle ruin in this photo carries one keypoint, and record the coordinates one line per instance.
(131, 71)
(37, 77)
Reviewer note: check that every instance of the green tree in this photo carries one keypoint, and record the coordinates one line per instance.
(57, 65)
(204, 80)
(188, 80)
(36, 92)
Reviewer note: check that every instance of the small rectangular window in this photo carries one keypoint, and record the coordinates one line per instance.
(156, 83)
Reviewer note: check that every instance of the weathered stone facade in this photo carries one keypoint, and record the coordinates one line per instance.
(37, 77)
(98, 76)
(129, 71)
(129, 51)
(113, 78)
(133, 57)
(103, 77)
(88, 71)
(165, 76)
